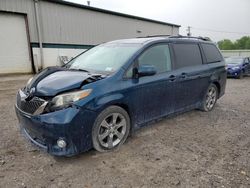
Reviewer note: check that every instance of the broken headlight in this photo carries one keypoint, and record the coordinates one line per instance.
(67, 99)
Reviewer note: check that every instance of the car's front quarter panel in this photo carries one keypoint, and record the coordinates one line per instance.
(103, 92)
(111, 91)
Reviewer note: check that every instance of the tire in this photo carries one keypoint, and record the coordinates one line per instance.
(210, 98)
(111, 129)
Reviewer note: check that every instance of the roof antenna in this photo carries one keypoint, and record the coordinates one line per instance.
(88, 2)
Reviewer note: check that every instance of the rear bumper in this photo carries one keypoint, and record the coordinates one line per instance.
(74, 125)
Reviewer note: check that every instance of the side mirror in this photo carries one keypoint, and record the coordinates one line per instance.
(145, 70)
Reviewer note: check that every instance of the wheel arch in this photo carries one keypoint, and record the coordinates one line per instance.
(116, 99)
(125, 107)
(217, 84)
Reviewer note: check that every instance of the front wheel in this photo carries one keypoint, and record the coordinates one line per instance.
(210, 98)
(110, 129)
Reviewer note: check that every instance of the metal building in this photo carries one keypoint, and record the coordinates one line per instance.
(35, 34)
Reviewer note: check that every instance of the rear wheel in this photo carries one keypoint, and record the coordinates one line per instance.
(210, 98)
(111, 129)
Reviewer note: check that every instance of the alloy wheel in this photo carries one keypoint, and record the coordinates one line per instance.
(211, 98)
(112, 130)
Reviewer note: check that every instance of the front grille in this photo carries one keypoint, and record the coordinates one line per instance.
(29, 106)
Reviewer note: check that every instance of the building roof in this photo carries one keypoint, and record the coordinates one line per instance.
(110, 12)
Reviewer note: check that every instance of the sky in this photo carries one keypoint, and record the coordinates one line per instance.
(217, 19)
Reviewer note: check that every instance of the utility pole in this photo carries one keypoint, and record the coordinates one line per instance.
(88, 2)
(189, 31)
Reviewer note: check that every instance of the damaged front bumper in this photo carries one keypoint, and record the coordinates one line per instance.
(73, 125)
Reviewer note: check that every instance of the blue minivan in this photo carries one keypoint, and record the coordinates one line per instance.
(101, 96)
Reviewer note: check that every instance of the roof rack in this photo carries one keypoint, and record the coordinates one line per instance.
(149, 36)
(189, 37)
(178, 36)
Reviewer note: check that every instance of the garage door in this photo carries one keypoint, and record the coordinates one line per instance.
(14, 50)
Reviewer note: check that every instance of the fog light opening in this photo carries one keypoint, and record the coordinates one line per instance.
(61, 143)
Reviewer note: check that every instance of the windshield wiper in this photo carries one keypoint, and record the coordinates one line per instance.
(84, 70)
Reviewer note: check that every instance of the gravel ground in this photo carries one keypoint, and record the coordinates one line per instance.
(195, 149)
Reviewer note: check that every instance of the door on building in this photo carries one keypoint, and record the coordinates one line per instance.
(14, 47)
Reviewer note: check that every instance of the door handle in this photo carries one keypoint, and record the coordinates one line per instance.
(172, 78)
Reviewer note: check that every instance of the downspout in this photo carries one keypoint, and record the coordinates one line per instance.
(38, 27)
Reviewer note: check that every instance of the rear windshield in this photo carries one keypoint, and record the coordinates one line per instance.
(212, 53)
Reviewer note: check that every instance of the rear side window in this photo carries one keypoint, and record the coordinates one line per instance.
(212, 53)
(187, 55)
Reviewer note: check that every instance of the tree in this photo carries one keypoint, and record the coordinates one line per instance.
(247, 45)
(242, 43)
(226, 44)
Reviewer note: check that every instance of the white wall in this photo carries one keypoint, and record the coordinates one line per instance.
(52, 55)
(229, 53)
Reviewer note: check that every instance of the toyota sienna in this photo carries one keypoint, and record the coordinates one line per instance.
(101, 96)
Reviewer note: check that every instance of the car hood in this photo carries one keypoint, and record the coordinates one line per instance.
(55, 80)
(233, 65)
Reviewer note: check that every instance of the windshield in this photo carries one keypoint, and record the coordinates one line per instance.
(104, 58)
(234, 60)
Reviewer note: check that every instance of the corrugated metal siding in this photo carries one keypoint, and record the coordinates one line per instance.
(176, 30)
(64, 24)
(25, 7)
